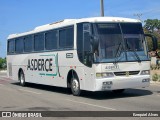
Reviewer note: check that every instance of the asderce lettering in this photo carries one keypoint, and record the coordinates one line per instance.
(40, 64)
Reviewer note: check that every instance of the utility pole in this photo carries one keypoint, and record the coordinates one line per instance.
(102, 8)
(139, 16)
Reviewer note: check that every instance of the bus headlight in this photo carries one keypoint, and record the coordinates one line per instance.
(146, 80)
(145, 72)
(104, 75)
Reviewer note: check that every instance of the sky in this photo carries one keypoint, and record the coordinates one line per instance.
(17, 16)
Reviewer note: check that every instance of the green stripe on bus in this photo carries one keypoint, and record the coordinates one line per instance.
(42, 74)
(51, 74)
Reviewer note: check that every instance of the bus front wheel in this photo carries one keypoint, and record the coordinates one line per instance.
(22, 78)
(75, 87)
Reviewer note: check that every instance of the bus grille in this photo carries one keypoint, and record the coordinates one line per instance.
(124, 73)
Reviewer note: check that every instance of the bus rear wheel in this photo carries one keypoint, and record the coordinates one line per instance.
(22, 78)
(75, 87)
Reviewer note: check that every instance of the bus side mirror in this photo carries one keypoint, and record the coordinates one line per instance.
(154, 41)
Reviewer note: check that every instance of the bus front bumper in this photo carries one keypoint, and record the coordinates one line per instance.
(115, 83)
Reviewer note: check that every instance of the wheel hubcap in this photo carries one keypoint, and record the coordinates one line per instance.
(22, 79)
(75, 85)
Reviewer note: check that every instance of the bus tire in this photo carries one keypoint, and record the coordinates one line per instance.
(75, 86)
(119, 91)
(22, 78)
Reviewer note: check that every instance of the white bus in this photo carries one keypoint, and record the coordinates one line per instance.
(92, 54)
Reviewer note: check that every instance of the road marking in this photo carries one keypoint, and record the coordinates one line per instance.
(29, 91)
(108, 108)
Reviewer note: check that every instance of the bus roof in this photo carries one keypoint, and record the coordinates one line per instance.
(67, 22)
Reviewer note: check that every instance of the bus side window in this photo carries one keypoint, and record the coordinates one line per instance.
(66, 37)
(51, 40)
(39, 42)
(28, 43)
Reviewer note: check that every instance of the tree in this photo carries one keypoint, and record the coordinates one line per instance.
(152, 26)
(3, 64)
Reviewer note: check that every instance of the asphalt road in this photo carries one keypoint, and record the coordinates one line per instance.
(34, 97)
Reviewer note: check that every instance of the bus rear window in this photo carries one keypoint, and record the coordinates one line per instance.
(11, 46)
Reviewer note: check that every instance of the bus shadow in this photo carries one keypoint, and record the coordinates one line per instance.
(91, 95)
(111, 95)
(46, 88)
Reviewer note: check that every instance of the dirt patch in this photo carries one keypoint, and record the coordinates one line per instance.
(155, 71)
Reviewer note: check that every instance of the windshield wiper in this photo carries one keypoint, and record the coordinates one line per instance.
(135, 53)
(118, 52)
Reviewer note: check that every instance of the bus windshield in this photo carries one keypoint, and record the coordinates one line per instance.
(121, 41)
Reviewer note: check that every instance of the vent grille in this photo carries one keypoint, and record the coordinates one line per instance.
(124, 73)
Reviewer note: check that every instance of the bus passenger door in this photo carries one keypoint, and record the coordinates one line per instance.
(87, 57)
